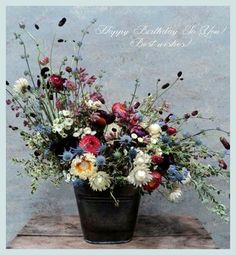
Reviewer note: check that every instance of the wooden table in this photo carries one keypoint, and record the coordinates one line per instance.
(152, 232)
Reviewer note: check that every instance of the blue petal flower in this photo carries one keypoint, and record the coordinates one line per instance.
(67, 155)
(77, 151)
(132, 153)
(100, 160)
(125, 139)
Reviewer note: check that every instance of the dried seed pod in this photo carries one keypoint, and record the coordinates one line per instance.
(194, 113)
(222, 164)
(68, 69)
(44, 70)
(165, 86)
(62, 22)
(36, 26)
(187, 116)
(60, 40)
(179, 74)
(225, 143)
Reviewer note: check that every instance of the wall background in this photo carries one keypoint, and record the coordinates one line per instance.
(205, 65)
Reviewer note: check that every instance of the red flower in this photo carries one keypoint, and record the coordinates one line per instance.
(56, 81)
(90, 143)
(171, 131)
(154, 183)
(119, 110)
(157, 159)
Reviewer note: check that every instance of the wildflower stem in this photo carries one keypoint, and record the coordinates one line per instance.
(135, 91)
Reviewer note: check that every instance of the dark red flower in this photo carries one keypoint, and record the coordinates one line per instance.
(154, 183)
(56, 81)
(171, 131)
(157, 159)
(90, 143)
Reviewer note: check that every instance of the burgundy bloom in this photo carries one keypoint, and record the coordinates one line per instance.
(91, 80)
(58, 104)
(171, 131)
(157, 159)
(56, 81)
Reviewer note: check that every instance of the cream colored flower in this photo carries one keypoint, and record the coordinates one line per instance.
(21, 86)
(68, 122)
(139, 176)
(158, 152)
(142, 159)
(83, 166)
(175, 194)
(187, 179)
(154, 130)
(100, 181)
(94, 105)
(88, 131)
(112, 132)
(65, 113)
(134, 136)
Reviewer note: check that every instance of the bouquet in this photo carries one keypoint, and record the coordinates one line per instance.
(73, 135)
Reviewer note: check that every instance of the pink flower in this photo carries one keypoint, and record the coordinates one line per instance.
(44, 61)
(58, 104)
(90, 143)
(119, 110)
(70, 85)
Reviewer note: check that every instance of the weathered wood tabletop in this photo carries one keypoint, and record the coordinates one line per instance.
(152, 232)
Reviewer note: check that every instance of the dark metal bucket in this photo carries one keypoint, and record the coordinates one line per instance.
(101, 220)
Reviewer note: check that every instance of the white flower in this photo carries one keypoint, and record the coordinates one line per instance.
(21, 86)
(154, 130)
(153, 140)
(187, 179)
(100, 181)
(65, 113)
(175, 194)
(112, 132)
(142, 159)
(158, 152)
(94, 105)
(139, 176)
(134, 136)
(140, 139)
(88, 131)
(68, 122)
(58, 127)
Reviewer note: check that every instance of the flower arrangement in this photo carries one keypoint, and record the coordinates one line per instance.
(74, 135)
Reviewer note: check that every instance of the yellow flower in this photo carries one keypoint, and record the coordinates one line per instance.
(83, 166)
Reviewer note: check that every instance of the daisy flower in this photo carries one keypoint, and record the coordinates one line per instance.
(21, 86)
(140, 175)
(83, 166)
(100, 181)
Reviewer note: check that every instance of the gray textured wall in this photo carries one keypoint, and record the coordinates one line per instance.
(205, 64)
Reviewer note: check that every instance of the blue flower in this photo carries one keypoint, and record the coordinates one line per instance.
(174, 175)
(165, 139)
(67, 155)
(43, 129)
(77, 151)
(198, 142)
(125, 139)
(132, 153)
(102, 149)
(100, 160)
